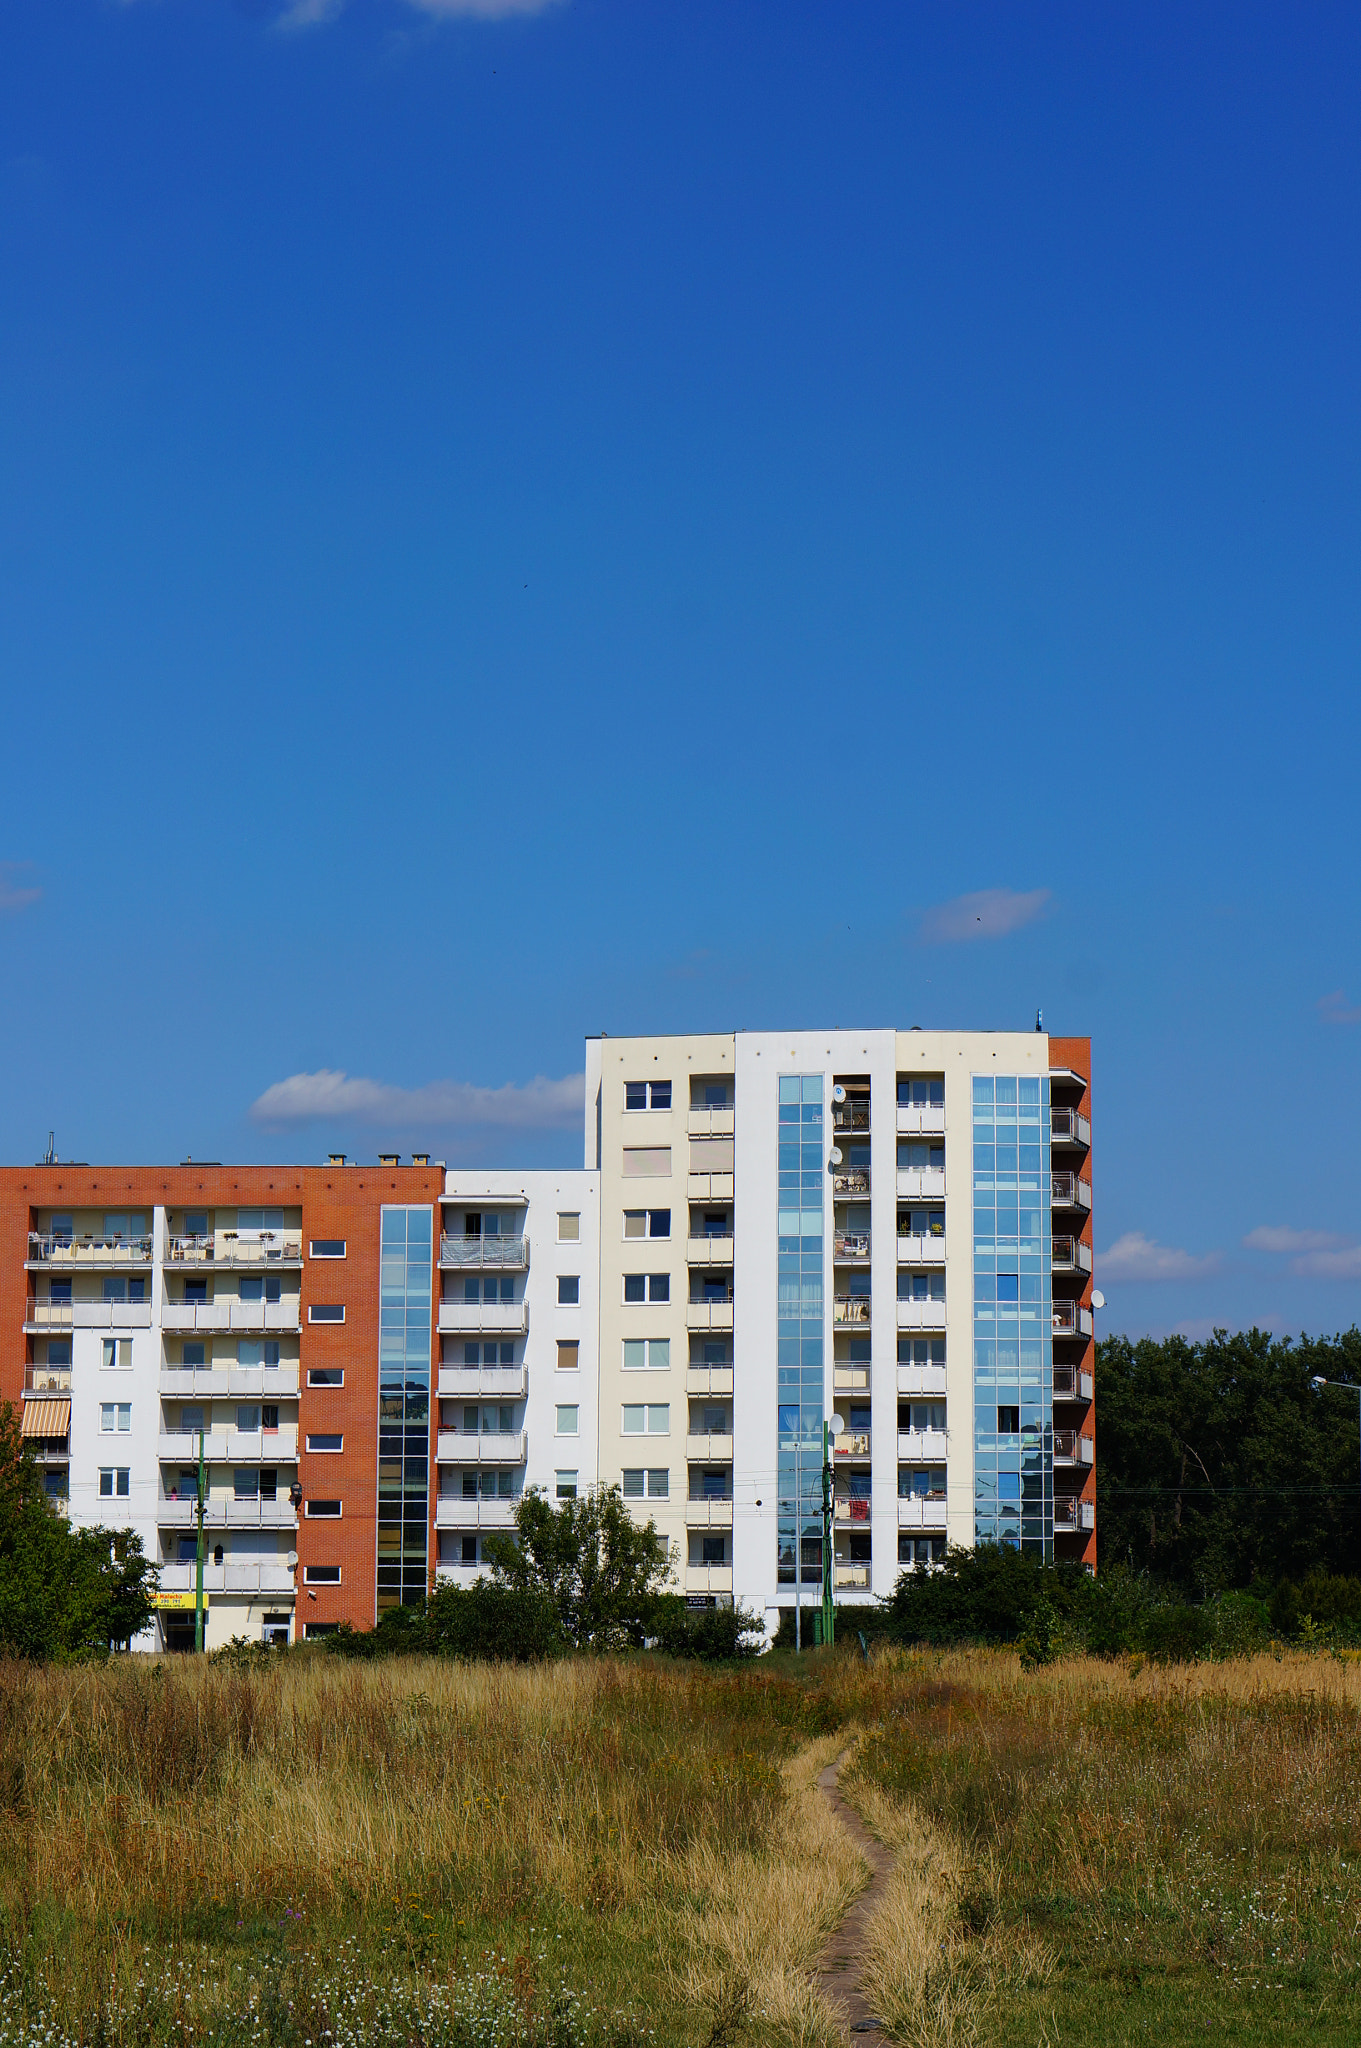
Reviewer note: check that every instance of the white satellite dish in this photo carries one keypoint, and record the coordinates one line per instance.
(835, 1423)
(1098, 1298)
(292, 1559)
(835, 1159)
(838, 1093)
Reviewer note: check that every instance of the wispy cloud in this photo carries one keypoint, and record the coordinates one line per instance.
(987, 914)
(1136, 1257)
(328, 1094)
(308, 13)
(15, 893)
(1335, 1009)
(1343, 1264)
(1279, 1237)
(298, 14)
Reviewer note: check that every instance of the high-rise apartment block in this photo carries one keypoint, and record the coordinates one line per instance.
(886, 1231)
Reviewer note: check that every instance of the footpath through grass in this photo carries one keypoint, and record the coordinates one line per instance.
(310, 1855)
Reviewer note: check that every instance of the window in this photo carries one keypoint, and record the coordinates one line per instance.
(647, 1421)
(647, 1095)
(914, 1157)
(259, 1222)
(921, 1550)
(569, 1226)
(490, 1289)
(122, 1227)
(267, 1289)
(569, 1289)
(566, 1485)
(568, 1419)
(644, 1161)
(245, 1483)
(921, 1094)
(326, 1248)
(1008, 1287)
(647, 1354)
(647, 1223)
(921, 1287)
(1008, 1422)
(921, 1415)
(62, 1228)
(921, 1351)
(715, 1549)
(114, 1484)
(569, 1357)
(321, 1575)
(196, 1223)
(115, 1416)
(325, 1442)
(658, 1484)
(633, 1483)
(325, 1375)
(193, 1354)
(487, 1354)
(117, 1354)
(468, 1550)
(323, 1510)
(647, 1287)
(252, 1351)
(326, 1312)
(248, 1421)
(116, 1288)
(269, 1418)
(59, 1351)
(921, 1223)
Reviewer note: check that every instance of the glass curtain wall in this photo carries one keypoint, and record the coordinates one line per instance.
(801, 1396)
(404, 1408)
(1013, 1313)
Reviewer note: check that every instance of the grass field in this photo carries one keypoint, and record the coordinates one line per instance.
(320, 1855)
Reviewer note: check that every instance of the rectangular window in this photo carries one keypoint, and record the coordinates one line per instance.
(647, 1223)
(325, 1375)
(325, 1442)
(921, 1094)
(245, 1483)
(569, 1226)
(62, 1229)
(647, 1161)
(326, 1248)
(253, 1351)
(566, 1485)
(114, 1483)
(714, 1549)
(647, 1095)
(913, 1157)
(652, 1420)
(321, 1575)
(117, 1354)
(59, 1351)
(569, 1289)
(633, 1483)
(569, 1357)
(323, 1510)
(647, 1354)
(248, 1421)
(326, 1312)
(568, 1419)
(193, 1354)
(647, 1287)
(658, 1485)
(259, 1222)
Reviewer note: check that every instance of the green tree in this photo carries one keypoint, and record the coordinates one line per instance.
(600, 1570)
(63, 1591)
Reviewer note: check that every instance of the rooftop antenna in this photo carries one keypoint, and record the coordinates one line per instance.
(50, 1156)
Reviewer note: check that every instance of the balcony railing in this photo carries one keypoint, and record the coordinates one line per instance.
(851, 1116)
(852, 1443)
(502, 1318)
(42, 1314)
(229, 1577)
(844, 1510)
(708, 1512)
(481, 1447)
(1072, 1320)
(921, 1510)
(714, 1312)
(708, 1251)
(230, 1314)
(1071, 1516)
(921, 1315)
(712, 1447)
(500, 1382)
(1071, 1255)
(926, 1118)
(235, 1447)
(453, 1511)
(923, 1446)
(708, 1578)
(711, 1120)
(181, 1512)
(229, 1380)
(47, 1379)
(1072, 1449)
(1072, 1384)
(1069, 1128)
(271, 1248)
(851, 1248)
(509, 1254)
(921, 1251)
(851, 1180)
(1069, 1192)
(88, 1251)
(850, 1308)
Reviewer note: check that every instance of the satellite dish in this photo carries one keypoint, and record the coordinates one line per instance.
(838, 1093)
(292, 1559)
(835, 1424)
(1098, 1298)
(835, 1159)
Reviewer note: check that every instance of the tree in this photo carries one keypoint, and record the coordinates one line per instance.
(599, 1569)
(63, 1591)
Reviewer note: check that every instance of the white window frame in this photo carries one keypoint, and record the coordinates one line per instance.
(314, 1242)
(317, 1449)
(313, 1315)
(308, 1516)
(569, 1236)
(309, 1570)
(325, 1386)
(562, 1408)
(649, 1345)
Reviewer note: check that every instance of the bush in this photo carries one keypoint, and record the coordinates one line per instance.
(484, 1622)
(712, 1634)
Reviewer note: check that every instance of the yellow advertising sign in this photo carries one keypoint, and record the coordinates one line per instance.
(179, 1601)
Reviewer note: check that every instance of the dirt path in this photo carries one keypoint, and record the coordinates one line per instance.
(839, 1966)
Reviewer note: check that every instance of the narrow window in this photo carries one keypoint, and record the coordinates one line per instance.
(569, 1289)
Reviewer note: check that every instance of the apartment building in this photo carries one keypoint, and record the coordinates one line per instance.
(888, 1232)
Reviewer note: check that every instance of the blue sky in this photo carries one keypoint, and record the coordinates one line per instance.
(528, 520)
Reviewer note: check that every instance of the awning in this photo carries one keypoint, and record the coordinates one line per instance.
(47, 1418)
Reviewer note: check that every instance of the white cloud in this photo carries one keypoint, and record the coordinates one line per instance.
(1335, 1009)
(1136, 1257)
(987, 914)
(1274, 1237)
(1343, 1264)
(13, 894)
(308, 13)
(483, 10)
(349, 1098)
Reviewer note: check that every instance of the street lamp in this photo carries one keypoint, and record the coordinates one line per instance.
(1318, 1383)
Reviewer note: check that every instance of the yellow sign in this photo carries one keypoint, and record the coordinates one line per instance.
(179, 1601)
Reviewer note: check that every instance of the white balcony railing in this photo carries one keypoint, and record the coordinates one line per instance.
(709, 1315)
(921, 1315)
(42, 1315)
(921, 1511)
(502, 1254)
(230, 1315)
(1072, 1449)
(231, 1447)
(921, 1251)
(496, 1382)
(230, 1381)
(452, 1511)
(921, 1182)
(921, 1379)
(708, 1251)
(708, 1379)
(1072, 1320)
(1068, 1127)
(713, 1120)
(497, 1318)
(1070, 1384)
(710, 1187)
(173, 1513)
(1068, 1192)
(232, 1576)
(713, 1449)
(924, 1446)
(927, 1121)
(708, 1514)
(1071, 1255)
(708, 1578)
(483, 1447)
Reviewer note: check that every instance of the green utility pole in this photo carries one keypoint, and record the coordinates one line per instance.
(198, 1569)
(827, 1609)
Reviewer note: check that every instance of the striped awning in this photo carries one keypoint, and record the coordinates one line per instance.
(47, 1418)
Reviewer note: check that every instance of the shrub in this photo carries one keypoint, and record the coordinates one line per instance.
(712, 1634)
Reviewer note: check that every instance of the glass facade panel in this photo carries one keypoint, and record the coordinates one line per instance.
(404, 1406)
(802, 1181)
(1013, 1326)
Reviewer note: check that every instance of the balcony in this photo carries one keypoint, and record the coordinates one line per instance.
(496, 1382)
(452, 1511)
(712, 1120)
(46, 1379)
(219, 1513)
(1072, 1449)
(229, 1577)
(1070, 1193)
(1070, 1384)
(921, 1379)
(850, 1181)
(1072, 1320)
(921, 1315)
(708, 1578)
(851, 1248)
(502, 1254)
(851, 1443)
(1073, 1517)
(1071, 1255)
(229, 1380)
(482, 1447)
(497, 1318)
(923, 1446)
(708, 1513)
(709, 1187)
(850, 1379)
(846, 1510)
(921, 1510)
(230, 1447)
(924, 1182)
(1070, 1129)
(926, 1120)
(851, 1575)
(851, 1118)
(921, 1251)
(714, 1449)
(42, 1315)
(230, 1252)
(230, 1315)
(90, 1254)
(708, 1379)
(708, 1251)
(852, 1309)
(710, 1314)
